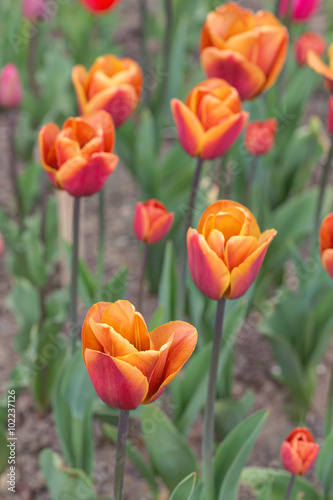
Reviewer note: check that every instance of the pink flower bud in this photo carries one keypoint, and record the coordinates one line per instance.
(301, 10)
(35, 9)
(151, 221)
(10, 86)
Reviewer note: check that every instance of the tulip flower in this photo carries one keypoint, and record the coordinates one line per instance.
(326, 244)
(211, 120)
(306, 42)
(301, 10)
(111, 84)
(299, 451)
(99, 6)
(246, 49)
(226, 251)
(35, 9)
(10, 86)
(260, 137)
(127, 365)
(78, 158)
(321, 68)
(152, 221)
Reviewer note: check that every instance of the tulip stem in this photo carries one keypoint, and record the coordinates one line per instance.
(250, 179)
(290, 487)
(75, 271)
(12, 163)
(208, 436)
(166, 50)
(142, 276)
(188, 222)
(101, 241)
(323, 185)
(121, 454)
(329, 410)
(143, 37)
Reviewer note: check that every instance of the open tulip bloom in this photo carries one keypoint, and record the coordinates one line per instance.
(246, 49)
(321, 68)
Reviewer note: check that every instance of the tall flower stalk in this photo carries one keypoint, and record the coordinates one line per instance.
(75, 271)
(121, 454)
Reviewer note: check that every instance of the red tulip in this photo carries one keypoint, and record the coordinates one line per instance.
(152, 221)
(299, 451)
(326, 243)
(99, 5)
(127, 365)
(10, 86)
(309, 41)
(78, 158)
(226, 252)
(301, 10)
(321, 68)
(260, 137)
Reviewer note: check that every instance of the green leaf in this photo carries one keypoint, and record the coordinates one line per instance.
(171, 456)
(324, 466)
(146, 167)
(116, 288)
(230, 412)
(167, 291)
(185, 488)
(29, 183)
(233, 454)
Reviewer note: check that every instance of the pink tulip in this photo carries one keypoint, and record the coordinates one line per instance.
(35, 9)
(10, 86)
(301, 10)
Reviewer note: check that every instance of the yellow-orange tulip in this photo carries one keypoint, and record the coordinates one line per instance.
(226, 252)
(321, 68)
(111, 84)
(246, 49)
(127, 365)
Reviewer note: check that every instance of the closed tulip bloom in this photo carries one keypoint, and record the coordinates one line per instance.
(260, 137)
(78, 158)
(127, 365)
(111, 84)
(151, 221)
(35, 9)
(299, 451)
(246, 49)
(326, 244)
(226, 251)
(10, 86)
(101, 6)
(301, 10)
(309, 41)
(211, 120)
(321, 68)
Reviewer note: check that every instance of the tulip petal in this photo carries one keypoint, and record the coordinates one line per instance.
(161, 227)
(88, 338)
(216, 241)
(157, 376)
(238, 249)
(218, 140)
(79, 78)
(145, 361)
(119, 102)
(190, 131)
(47, 137)
(318, 65)
(243, 276)
(290, 459)
(309, 452)
(141, 222)
(326, 233)
(327, 261)
(104, 127)
(117, 383)
(233, 67)
(113, 344)
(278, 61)
(81, 178)
(208, 271)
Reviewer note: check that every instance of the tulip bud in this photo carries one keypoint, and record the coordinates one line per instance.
(308, 41)
(299, 451)
(326, 244)
(260, 137)
(151, 221)
(99, 5)
(10, 86)
(35, 9)
(301, 10)
(330, 116)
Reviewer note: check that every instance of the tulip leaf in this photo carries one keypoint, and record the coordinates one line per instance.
(185, 488)
(171, 456)
(135, 457)
(230, 412)
(325, 466)
(117, 286)
(146, 154)
(29, 182)
(233, 454)
(167, 292)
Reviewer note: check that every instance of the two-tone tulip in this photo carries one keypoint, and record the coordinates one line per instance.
(326, 244)
(111, 84)
(100, 6)
(11, 93)
(78, 158)
(226, 251)
(127, 365)
(152, 221)
(246, 49)
(299, 451)
(321, 68)
(301, 10)
(211, 119)
(306, 42)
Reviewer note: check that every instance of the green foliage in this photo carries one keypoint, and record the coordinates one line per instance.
(184, 489)
(230, 412)
(324, 466)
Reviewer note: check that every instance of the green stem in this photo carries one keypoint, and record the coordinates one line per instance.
(329, 410)
(290, 487)
(12, 162)
(166, 50)
(323, 185)
(222, 178)
(143, 32)
(101, 241)
(142, 277)
(75, 272)
(208, 436)
(120, 454)
(250, 179)
(188, 223)
(32, 64)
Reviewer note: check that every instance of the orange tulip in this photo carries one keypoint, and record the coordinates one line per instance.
(326, 244)
(226, 252)
(246, 49)
(111, 84)
(299, 451)
(211, 120)
(152, 221)
(260, 137)
(306, 42)
(78, 158)
(321, 68)
(127, 365)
